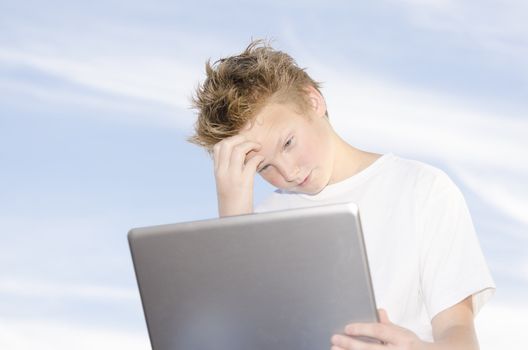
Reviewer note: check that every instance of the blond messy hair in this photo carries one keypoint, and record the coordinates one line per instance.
(237, 87)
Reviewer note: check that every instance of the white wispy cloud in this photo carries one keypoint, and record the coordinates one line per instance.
(150, 78)
(496, 26)
(391, 116)
(423, 122)
(498, 326)
(501, 326)
(361, 106)
(121, 108)
(369, 111)
(48, 334)
(22, 288)
(118, 63)
(509, 196)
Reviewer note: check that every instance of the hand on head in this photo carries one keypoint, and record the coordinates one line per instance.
(234, 174)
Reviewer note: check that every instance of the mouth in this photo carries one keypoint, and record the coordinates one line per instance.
(306, 179)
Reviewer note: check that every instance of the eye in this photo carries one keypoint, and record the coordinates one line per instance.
(264, 168)
(288, 143)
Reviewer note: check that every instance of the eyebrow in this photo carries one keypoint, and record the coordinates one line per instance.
(280, 141)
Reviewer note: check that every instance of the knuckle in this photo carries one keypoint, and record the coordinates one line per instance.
(339, 340)
(239, 149)
(380, 332)
(232, 139)
(225, 142)
(351, 328)
(257, 159)
(409, 339)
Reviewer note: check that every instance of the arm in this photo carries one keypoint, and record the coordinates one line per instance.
(453, 329)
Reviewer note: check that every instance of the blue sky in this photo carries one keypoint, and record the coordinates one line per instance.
(94, 112)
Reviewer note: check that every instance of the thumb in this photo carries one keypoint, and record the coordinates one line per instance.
(384, 318)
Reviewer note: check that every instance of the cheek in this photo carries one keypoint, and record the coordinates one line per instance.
(274, 179)
(308, 156)
(306, 159)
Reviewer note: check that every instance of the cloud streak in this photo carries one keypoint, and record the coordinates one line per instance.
(498, 326)
(501, 326)
(142, 68)
(47, 334)
(393, 117)
(496, 26)
(422, 122)
(145, 78)
(56, 290)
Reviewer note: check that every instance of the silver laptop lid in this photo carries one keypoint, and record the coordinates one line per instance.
(278, 280)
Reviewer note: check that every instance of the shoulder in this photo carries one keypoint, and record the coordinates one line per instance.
(415, 168)
(409, 177)
(425, 177)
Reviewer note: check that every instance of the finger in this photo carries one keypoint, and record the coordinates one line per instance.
(239, 153)
(222, 151)
(336, 348)
(349, 343)
(251, 166)
(383, 316)
(235, 139)
(384, 332)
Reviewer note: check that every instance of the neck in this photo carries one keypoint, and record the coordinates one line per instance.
(348, 160)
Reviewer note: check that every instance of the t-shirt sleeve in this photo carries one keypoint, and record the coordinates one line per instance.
(452, 266)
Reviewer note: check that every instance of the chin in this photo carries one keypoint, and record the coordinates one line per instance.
(312, 190)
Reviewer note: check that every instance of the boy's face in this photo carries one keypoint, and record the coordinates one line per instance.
(297, 147)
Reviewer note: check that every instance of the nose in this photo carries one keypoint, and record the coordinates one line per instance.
(288, 170)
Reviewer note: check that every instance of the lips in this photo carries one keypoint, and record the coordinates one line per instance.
(305, 181)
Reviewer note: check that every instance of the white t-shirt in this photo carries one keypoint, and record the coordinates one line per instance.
(423, 252)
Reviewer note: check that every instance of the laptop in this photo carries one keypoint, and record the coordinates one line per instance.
(278, 280)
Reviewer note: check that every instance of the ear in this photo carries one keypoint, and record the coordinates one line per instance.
(316, 100)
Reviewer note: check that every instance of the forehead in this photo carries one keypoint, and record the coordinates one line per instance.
(270, 122)
(269, 125)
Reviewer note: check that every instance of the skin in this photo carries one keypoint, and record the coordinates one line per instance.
(299, 151)
(290, 144)
(452, 329)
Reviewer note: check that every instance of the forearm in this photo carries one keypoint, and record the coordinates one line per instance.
(453, 329)
(460, 337)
